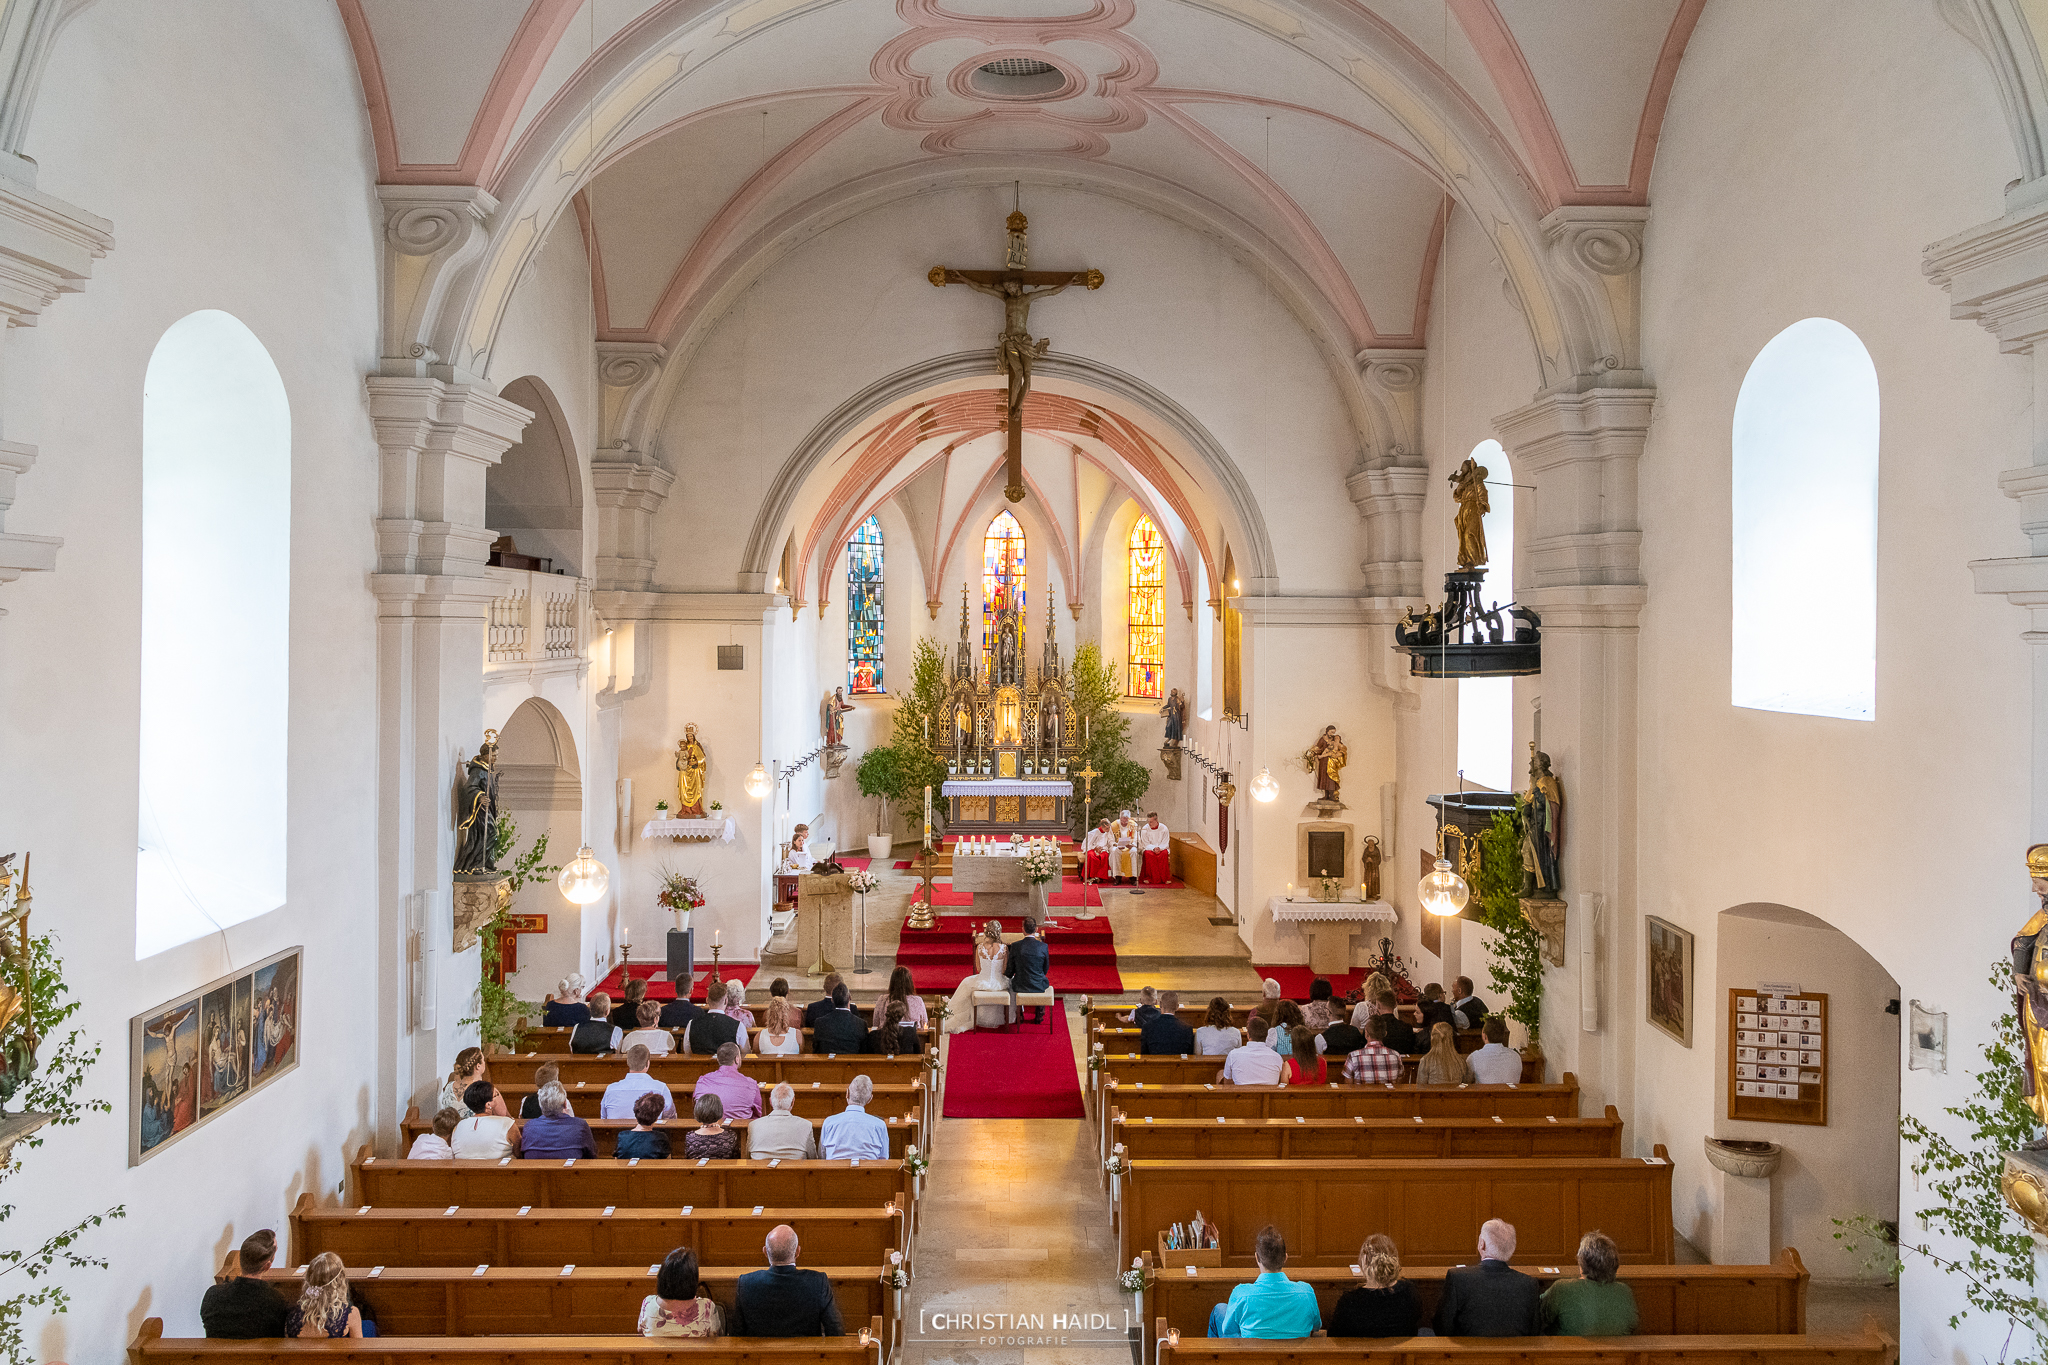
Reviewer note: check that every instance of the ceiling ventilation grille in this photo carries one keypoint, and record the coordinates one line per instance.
(1018, 66)
(1018, 78)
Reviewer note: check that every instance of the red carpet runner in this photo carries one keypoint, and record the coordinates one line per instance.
(1028, 1075)
(1083, 953)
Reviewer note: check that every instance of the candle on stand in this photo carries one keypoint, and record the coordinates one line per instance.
(716, 935)
(625, 936)
(1290, 890)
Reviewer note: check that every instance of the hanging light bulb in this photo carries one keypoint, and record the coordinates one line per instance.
(1443, 891)
(757, 782)
(585, 878)
(1264, 787)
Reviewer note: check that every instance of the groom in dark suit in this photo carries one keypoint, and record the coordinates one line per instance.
(1029, 958)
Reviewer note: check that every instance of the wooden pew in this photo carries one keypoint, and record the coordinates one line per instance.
(1124, 1038)
(412, 1301)
(1211, 1101)
(1871, 1346)
(1701, 1300)
(658, 1184)
(535, 1038)
(582, 1073)
(152, 1347)
(1131, 1068)
(905, 1130)
(1280, 1139)
(1101, 1017)
(812, 1103)
(554, 1237)
(1432, 1209)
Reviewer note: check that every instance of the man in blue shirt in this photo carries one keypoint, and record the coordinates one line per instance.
(1272, 1307)
(855, 1132)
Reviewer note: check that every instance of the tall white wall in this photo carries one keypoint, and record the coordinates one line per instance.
(141, 106)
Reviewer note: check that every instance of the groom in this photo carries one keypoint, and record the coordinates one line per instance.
(1029, 958)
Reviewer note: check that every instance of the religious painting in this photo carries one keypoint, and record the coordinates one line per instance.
(1668, 951)
(864, 608)
(1145, 612)
(210, 1049)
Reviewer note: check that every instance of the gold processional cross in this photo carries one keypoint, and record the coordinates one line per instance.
(1015, 349)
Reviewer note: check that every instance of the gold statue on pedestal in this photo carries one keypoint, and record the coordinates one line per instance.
(2030, 987)
(1468, 490)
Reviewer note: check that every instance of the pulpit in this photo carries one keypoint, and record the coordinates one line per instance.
(825, 923)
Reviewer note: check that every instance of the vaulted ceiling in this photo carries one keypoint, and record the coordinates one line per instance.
(774, 114)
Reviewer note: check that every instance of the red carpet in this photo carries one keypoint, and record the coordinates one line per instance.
(1294, 979)
(849, 863)
(1028, 1075)
(1072, 897)
(1083, 954)
(662, 990)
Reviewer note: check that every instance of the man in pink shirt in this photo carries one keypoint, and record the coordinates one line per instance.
(740, 1095)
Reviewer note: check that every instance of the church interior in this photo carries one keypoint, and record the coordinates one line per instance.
(1365, 517)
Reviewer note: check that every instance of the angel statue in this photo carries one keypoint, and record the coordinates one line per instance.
(476, 834)
(1325, 758)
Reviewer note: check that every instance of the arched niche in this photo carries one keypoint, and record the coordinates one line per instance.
(535, 493)
(540, 788)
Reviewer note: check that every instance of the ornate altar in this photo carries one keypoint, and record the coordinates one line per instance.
(1009, 730)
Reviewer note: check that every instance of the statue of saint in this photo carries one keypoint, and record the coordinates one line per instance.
(2030, 992)
(1542, 829)
(1326, 760)
(691, 765)
(1049, 725)
(1468, 489)
(1006, 656)
(476, 833)
(836, 706)
(1369, 869)
(1176, 712)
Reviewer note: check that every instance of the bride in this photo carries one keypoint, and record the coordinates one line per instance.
(991, 959)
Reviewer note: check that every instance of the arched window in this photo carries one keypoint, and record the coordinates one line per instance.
(216, 606)
(864, 608)
(1146, 612)
(1804, 486)
(1486, 706)
(1002, 581)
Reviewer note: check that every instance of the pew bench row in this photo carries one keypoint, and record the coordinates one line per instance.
(152, 1347)
(1412, 1137)
(906, 1129)
(1871, 1346)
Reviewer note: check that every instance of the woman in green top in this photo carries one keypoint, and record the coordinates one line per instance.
(1596, 1305)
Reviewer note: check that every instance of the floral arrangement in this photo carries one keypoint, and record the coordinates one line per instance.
(718, 805)
(916, 1162)
(1137, 1279)
(1328, 889)
(862, 880)
(1118, 1163)
(1041, 862)
(678, 892)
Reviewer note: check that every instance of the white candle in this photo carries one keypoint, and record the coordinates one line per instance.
(716, 935)
(625, 937)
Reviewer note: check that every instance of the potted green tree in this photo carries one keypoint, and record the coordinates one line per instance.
(880, 775)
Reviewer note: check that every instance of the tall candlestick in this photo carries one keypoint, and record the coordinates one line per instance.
(716, 935)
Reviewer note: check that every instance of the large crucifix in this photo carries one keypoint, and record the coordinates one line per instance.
(1015, 349)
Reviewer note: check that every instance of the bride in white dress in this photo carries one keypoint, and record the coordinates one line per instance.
(991, 959)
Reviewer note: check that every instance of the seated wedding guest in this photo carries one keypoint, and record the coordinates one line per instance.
(434, 1146)
(1443, 1064)
(1148, 1006)
(895, 1035)
(1339, 1040)
(1269, 1001)
(1321, 1007)
(1401, 1035)
(1496, 1063)
(1491, 1299)
(1467, 1004)
(711, 1137)
(1385, 1305)
(676, 1014)
(556, 1134)
(1374, 1063)
(620, 1094)
(714, 1028)
(469, 1069)
(1164, 1035)
(323, 1309)
(899, 989)
(1369, 999)
(597, 1033)
(678, 1306)
(1597, 1305)
(779, 1133)
(1272, 1307)
(737, 1092)
(1434, 1010)
(784, 1301)
(658, 1041)
(838, 1029)
(820, 1006)
(626, 1014)
(1254, 1063)
(1217, 1035)
(547, 1073)
(736, 1003)
(778, 989)
(643, 1140)
(1305, 1066)
(489, 1133)
(782, 1038)
(1286, 1019)
(854, 1132)
(241, 1306)
(567, 1009)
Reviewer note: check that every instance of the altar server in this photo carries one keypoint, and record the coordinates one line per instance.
(1095, 851)
(1123, 853)
(1153, 843)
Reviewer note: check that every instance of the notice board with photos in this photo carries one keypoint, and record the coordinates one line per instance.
(1778, 1056)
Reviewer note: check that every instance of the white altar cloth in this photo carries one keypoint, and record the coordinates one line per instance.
(1007, 786)
(1308, 909)
(723, 830)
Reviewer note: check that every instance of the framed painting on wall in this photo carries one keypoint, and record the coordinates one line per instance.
(1668, 953)
(210, 1049)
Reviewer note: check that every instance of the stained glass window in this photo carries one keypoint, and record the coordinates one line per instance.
(864, 608)
(1002, 581)
(1147, 611)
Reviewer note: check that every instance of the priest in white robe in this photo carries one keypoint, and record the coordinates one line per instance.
(1154, 851)
(1095, 852)
(1123, 854)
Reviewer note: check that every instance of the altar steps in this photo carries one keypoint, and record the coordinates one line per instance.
(1083, 953)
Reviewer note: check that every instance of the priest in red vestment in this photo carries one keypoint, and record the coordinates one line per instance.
(1154, 848)
(1095, 853)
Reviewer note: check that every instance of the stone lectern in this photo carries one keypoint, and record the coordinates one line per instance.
(824, 921)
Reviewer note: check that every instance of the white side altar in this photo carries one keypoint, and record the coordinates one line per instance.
(722, 829)
(1329, 926)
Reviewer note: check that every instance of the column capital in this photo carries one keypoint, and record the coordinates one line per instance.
(1596, 257)
(626, 375)
(1581, 450)
(629, 493)
(436, 441)
(1996, 274)
(430, 233)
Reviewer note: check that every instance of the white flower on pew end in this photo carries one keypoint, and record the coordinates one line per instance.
(1135, 1280)
(914, 1161)
(1118, 1163)
(892, 1275)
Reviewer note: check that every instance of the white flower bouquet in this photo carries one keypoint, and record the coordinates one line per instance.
(862, 880)
(1041, 862)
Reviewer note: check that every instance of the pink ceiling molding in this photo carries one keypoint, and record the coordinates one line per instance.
(518, 70)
